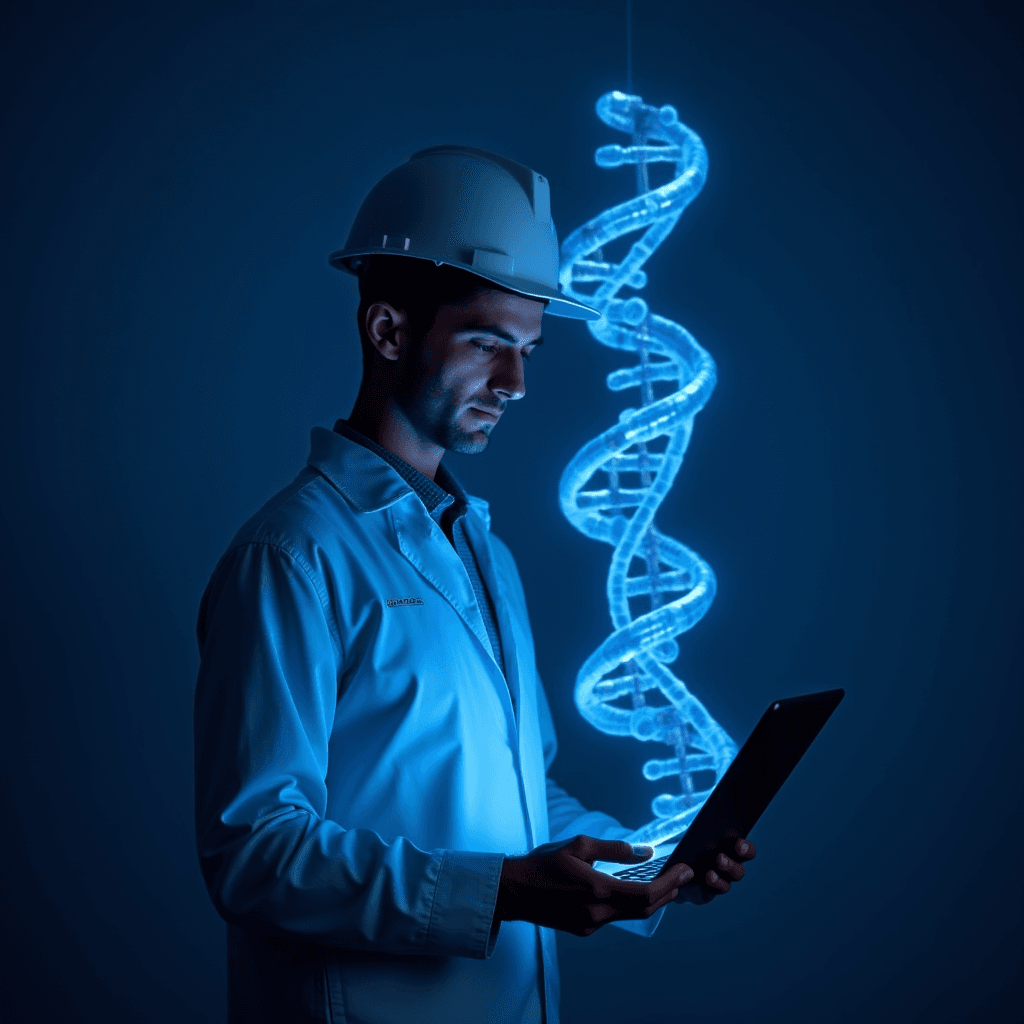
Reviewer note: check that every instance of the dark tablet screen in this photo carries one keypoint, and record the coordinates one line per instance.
(756, 774)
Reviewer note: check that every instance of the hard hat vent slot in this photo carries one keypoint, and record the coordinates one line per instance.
(541, 199)
(492, 262)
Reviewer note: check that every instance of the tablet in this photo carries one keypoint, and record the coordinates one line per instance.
(749, 784)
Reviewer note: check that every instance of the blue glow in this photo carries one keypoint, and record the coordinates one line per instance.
(613, 486)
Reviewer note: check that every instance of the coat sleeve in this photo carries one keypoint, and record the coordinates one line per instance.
(567, 817)
(270, 662)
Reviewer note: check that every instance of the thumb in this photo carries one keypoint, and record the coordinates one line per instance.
(619, 852)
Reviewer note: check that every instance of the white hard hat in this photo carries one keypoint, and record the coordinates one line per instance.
(473, 210)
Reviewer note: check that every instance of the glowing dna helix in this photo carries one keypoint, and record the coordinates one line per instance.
(625, 688)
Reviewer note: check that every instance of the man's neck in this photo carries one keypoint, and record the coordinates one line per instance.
(386, 424)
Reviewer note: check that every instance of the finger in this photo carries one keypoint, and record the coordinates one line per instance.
(730, 869)
(745, 849)
(676, 876)
(713, 880)
(633, 899)
(641, 908)
(664, 902)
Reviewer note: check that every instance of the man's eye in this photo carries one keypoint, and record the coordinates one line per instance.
(485, 348)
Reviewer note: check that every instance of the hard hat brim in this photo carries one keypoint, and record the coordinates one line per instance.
(557, 303)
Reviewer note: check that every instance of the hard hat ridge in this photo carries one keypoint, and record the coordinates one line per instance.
(533, 184)
(471, 209)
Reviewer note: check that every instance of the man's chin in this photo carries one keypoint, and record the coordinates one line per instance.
(469, 442)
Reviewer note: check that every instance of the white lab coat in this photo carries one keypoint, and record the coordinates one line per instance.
(360, 770)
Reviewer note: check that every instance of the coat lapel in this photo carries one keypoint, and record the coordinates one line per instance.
(424, 545)
(480, 542)
(427, 549)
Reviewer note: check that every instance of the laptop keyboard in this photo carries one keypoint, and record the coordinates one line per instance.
(642, 872)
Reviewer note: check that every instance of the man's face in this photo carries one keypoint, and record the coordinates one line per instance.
(456, 381)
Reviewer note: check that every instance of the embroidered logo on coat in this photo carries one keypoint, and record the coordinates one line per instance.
(397, 602)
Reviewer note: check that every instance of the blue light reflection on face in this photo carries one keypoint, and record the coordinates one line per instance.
(613, 486)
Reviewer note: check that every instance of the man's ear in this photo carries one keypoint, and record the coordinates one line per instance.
(387, 328)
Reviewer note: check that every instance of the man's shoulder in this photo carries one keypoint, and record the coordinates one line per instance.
(279, 509)
(329, 499)
(307, 515)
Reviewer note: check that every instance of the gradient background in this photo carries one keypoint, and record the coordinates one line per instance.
(174, 177)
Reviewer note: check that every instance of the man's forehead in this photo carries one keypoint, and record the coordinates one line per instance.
(512, 317)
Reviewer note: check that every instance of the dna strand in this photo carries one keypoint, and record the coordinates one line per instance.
(625, 687)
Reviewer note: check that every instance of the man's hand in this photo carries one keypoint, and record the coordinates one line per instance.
(556, 886)
(718, 870)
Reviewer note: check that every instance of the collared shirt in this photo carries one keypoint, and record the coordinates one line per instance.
(447, 504)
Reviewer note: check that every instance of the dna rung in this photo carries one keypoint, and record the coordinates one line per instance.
(613, 486)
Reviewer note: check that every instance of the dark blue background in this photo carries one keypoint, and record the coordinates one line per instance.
(173, 179)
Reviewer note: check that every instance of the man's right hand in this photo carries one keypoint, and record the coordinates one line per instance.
(556, 886)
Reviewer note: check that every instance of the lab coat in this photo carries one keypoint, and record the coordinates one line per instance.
(362, 765)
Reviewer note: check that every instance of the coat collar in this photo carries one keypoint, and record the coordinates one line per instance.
(367, 482)
(481, 508)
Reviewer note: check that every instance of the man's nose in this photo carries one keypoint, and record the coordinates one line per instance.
(508, 379)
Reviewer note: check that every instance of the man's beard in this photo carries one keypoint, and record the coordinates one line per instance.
(441, 412)
(433, 409)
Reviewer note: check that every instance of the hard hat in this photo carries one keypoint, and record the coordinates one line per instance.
(470, 209)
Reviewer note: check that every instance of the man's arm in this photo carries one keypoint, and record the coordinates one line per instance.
(264, 711)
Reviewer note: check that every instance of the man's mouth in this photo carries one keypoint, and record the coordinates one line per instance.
(491, 415)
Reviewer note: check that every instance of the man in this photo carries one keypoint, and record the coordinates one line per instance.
(373, 813)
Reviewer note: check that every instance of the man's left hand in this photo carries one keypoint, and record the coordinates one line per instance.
(715, 877)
